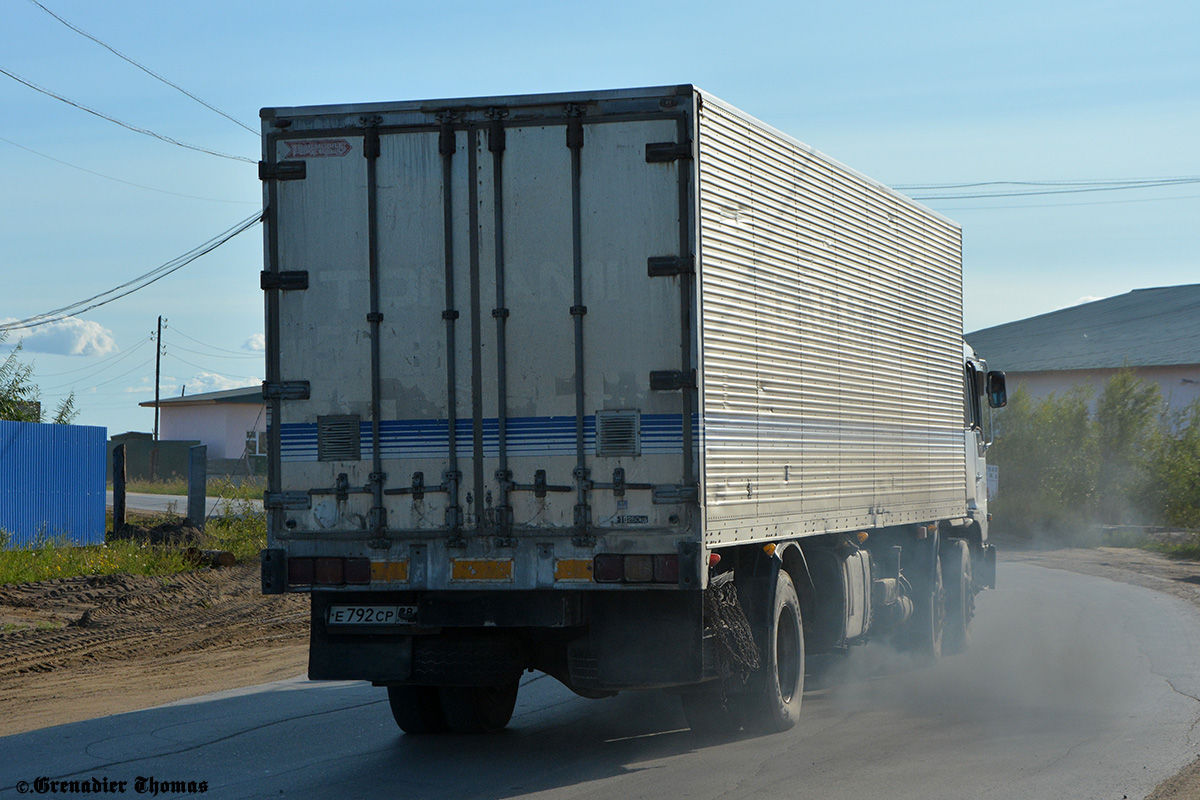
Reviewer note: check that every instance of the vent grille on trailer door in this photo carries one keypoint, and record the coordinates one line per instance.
(618, 433)
(338, 438)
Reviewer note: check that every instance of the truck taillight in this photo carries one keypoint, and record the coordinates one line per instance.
(358, 571)
(300, 571)
(330, 571)
(666, 569)
(635, 568)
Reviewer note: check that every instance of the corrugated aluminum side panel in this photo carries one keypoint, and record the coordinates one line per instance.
(831, 327)
(52, 482)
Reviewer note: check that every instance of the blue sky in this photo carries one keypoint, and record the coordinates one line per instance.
(908, 93)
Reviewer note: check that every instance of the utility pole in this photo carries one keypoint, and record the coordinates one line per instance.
(158, 351)
(157, 373)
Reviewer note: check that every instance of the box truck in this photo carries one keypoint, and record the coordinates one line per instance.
(626, 387)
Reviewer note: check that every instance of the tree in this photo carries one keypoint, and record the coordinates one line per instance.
(1045, 451)
(1175, 469)
(1127, 424)
(1064, 468)
(20, 398)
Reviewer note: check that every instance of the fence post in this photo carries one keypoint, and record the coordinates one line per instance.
(118, 473)
(197, 485)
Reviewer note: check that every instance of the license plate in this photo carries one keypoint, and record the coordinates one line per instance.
(371, 615)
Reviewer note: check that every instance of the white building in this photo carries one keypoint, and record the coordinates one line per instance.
(1154, 332)
(232, 423)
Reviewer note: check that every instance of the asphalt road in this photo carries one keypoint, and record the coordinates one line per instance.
(164, 503)
(1075, 687)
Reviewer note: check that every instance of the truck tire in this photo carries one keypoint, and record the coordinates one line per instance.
(775, 705)
(417, 709)
(478, 709)
(925, 628)
(960, 596)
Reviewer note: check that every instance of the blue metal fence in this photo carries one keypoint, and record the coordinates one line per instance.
(52, 482)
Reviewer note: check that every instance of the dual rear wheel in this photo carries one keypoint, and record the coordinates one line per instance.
(456, 709)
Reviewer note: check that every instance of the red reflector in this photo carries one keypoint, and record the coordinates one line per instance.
(639, 569)
(607, 569)
(358, 570)
(330, 572)
(714, 559)
(666, 569)
(300, 571)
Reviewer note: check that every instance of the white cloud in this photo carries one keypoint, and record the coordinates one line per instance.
(1087, 298)
(256, 343)
(67, 337)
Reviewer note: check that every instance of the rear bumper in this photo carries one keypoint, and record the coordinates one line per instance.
(590, 640)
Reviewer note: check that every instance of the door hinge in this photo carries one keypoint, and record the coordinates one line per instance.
(280, 501)
(661, 152)
(286, 281)
(667, 266)
(496, 138)
(668, 380)
(285, 390)
(282, 171)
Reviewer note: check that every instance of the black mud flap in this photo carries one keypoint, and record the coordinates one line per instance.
(639, 640)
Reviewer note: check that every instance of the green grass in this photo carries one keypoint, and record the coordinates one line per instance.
(1187, 551)
(44, 625)
(49, 559)
(238, 528)
(240, 488)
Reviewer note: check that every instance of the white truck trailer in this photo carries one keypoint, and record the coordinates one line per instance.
(624, 386)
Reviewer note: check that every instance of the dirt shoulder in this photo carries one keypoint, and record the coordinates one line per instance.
(78, 648)
(1177, 578)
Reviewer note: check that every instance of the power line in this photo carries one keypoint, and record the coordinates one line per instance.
(171, 353)
(144, 69)
(1071, 205)
(1046, 187)
(213, 355)
(102, 383)
(1067, 182)
(126, 125)
(113, 358)
(118, 180)
(213, 346)
(138, 283)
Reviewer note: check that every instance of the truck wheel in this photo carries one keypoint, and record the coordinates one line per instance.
(710, 713)
(775, 707)
(417, 709)
(960, 596)
(925, 628)
(478, 709)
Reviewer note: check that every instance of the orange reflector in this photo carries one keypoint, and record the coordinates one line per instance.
(573, 569)
(862, 536)
(769, 549)
(481, 569)
(391, 571)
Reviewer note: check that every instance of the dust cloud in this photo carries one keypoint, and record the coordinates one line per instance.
(1032, 663)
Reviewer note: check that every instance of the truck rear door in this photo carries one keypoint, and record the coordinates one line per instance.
(480, 322)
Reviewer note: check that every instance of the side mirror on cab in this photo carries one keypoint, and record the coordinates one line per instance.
(997, 395)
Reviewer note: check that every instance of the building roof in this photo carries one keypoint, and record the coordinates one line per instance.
(1144, 328)
(250, 395)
